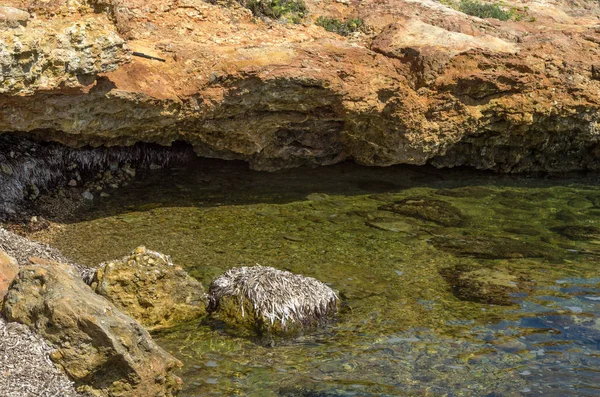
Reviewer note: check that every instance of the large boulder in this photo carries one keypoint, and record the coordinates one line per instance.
(150, 288)
(105, 352)
(8, 270)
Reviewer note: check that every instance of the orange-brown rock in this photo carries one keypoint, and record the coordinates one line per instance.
(423, 83)
(8, 271)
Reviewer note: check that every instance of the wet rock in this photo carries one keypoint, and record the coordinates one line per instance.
(150, 288)
(493, 247)
(483, 285)
(104, 351)
(438, 211)
(8, 271)
(575, 232)
(568, 216)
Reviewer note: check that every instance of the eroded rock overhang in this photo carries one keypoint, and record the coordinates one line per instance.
(424, 83)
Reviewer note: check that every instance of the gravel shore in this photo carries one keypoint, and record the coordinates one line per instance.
(25, 366)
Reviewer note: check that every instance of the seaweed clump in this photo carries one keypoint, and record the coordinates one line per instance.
(286, 10)
(343, 28)
(274, 296)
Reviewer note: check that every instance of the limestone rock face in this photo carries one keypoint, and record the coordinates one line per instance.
(12, 17)
(422, 83)
(150, 288)
(104, 351)
(8, 271)
(57, 54)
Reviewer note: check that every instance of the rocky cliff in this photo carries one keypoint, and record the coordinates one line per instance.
(419, 82)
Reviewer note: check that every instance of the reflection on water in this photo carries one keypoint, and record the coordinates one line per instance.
(454, 282)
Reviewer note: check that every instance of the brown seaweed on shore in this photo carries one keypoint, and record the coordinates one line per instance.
(274, 295)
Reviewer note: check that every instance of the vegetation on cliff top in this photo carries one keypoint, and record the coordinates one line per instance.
(287, 10)
(343, 28)
(485, 10)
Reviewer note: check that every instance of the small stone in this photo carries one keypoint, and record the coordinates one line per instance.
(6, 169)
(87, 195)
(129, 171)
(574, 309)
(72, 183)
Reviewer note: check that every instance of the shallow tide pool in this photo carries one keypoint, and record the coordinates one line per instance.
(453, 282)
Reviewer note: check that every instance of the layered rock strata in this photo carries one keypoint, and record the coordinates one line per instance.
(422, 83)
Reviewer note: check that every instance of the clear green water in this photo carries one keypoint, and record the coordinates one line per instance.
(393, 242)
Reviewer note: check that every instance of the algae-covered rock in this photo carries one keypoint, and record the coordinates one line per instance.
(391, 225)
(150, 288)
(483, 285)
(104, 351)
(575, 232)
(477, 192)
(438, 211)
(494, 247)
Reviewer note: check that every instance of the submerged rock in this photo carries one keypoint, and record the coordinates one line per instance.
(104, 351)
(493, 247)
(575, 232)
(390, 225)
(483, 285)
(150, 288)
(438, 211)
(477, 192)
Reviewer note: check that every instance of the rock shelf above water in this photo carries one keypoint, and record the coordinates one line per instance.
(422, 83)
